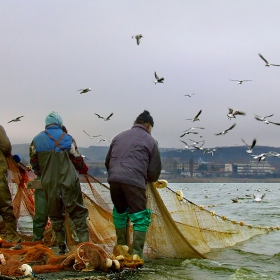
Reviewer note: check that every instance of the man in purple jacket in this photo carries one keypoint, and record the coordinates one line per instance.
(133, 160)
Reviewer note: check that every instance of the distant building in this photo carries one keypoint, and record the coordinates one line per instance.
(254, 168)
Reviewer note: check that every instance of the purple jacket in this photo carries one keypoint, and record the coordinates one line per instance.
(133, 158)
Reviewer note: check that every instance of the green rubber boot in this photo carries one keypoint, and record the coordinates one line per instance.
(138, 243)
(83, 236)
(121, 236)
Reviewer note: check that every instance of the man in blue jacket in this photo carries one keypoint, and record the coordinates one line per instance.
(133, 160)
(54, 157)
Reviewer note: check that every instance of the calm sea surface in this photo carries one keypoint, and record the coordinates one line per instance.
(257, 258)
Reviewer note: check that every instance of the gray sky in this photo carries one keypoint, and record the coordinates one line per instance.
(50, 49)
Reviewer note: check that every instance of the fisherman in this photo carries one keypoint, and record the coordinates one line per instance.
(6, 206)
(54, 156)
(133, 160)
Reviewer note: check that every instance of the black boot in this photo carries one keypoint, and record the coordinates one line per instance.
(63, 249)
(61, 242)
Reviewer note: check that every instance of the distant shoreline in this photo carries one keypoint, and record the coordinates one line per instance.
(211, 180)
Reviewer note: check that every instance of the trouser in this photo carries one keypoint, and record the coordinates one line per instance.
(6, 206)
(41, 214)
(69, 199)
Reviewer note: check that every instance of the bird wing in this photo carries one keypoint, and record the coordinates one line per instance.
(86, 133)
(269, 116)
(137, 40)
(218, 133)
(245, 143)
(184, 142)
(198, 114)
(234, 80)
(274, 123)
(274, 64)
(239, 113)
(253, 144)
(156, 76)
(258, 118)
(183, 135)
(263, 58)
(98, 116)
(109, 116)
(230, 110)
(231, 127)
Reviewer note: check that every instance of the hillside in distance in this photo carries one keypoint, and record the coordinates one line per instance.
(235, 154)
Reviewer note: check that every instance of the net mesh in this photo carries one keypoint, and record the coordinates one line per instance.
(195, 229)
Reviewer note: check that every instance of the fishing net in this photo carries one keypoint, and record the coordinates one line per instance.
(179, 228)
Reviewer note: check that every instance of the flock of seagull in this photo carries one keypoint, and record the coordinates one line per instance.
(197, 145)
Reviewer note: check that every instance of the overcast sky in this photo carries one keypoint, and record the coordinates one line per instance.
(50, 49)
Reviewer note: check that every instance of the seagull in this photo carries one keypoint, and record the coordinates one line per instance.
(91, 136)
(239, 82)
(189, 95)
(137, 37)
(226, 131)
(210, 151)
(16, 119)
(196, 117)
(186, 144)
(261, 156)
(252, 146)
(158, 80)
(84, 90)
(190, 131)
(196, 142)
(103, 140)
(258, 197)
(199, 147)
(263, 119)
(105, 119)
(266, 62)
(231, 114)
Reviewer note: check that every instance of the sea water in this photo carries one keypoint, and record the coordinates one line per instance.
(256, 258)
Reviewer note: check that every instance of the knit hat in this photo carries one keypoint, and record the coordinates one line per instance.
(145, 116)
(53, 118)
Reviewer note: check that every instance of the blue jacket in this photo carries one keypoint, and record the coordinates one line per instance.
(133, 158)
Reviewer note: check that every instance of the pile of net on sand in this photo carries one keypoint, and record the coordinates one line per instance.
(195, 229)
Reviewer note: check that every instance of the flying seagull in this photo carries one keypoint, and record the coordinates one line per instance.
(190, 131)
(210, 151)
(105, 119)
(91, 136)
(103, 140)
(263, 119)
(258, 197)
(158, 80)
(266, 62)
(84, 90)
(186, 144)
(137, 37)
(189, 95)
(16, 119)
(196, 117)
(250, 148)
(226, 131)
(231, 114)
(239, 82)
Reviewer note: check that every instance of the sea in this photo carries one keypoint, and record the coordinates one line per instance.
(256, 258)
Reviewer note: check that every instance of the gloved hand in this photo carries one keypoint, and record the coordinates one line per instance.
(28, 167)
(84, 170)
(16, 158)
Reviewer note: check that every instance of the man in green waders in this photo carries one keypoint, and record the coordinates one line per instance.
(133, 160)
(54, 157)
(6, 207)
